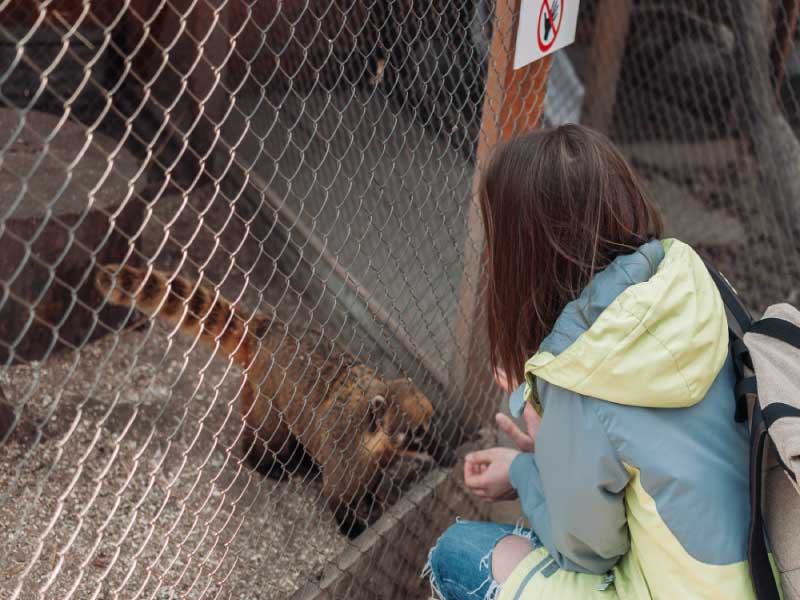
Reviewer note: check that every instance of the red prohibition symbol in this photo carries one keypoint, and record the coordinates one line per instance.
(547, 22)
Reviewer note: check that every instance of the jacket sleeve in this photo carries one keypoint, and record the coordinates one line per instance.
(572, 488)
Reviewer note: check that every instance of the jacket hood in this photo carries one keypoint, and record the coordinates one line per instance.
(650, 330)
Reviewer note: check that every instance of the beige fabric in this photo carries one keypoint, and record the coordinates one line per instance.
(782, 514)
(777, 367)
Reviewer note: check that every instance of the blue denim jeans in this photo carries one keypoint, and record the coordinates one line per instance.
(460, 564)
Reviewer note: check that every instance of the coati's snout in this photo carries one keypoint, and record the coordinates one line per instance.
(407, 416)
(431, 443)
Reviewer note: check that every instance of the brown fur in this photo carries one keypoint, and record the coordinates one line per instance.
(306, 399)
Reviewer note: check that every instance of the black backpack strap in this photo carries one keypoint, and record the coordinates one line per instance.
(741, 357)
(788, 333)
(757, 555)
(743, 387)
(778, 329)
(732, 301)
(758, 558)
(779, 410)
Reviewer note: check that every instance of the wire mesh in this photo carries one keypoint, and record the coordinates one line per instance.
(705, 107)
(313, 163)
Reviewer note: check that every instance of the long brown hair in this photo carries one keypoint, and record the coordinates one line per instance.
(558, 205)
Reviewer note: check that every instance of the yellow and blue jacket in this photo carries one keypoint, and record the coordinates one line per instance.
(638, 487)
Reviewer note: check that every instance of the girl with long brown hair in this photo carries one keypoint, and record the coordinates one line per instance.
(633, 472)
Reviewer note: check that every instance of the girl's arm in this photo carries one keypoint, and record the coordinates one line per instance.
(486, 473)
(572, 488)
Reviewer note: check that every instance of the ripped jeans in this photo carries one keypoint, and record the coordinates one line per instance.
(460, 564)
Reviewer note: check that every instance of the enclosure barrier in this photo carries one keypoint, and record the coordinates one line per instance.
(241, 326)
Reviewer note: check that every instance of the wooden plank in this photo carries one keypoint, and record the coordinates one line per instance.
(608, 47)
(715, 154)
(513, 105)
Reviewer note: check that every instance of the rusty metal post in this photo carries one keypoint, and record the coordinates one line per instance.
(513, 105)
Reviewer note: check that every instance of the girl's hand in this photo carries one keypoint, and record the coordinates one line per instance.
(486, 473)
(524, 441)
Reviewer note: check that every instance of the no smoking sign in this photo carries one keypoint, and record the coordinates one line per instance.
(544, 27)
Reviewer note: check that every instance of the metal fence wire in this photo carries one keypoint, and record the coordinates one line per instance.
(240, 312)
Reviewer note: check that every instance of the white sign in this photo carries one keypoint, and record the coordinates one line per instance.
(544, 27)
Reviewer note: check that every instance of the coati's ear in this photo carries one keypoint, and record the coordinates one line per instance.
(377, 412)
(400, 387)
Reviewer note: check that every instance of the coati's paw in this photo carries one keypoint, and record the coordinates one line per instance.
(261, 460)
(352, 522)
(272, 469)
(349, 523)
(300, 464)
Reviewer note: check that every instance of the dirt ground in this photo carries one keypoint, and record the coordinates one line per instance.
(134, 490)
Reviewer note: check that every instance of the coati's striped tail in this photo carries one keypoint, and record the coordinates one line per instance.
(200, 311)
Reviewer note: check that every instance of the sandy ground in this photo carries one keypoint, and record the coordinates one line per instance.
(131, 487)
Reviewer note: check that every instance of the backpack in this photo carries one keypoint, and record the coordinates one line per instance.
(766, 356)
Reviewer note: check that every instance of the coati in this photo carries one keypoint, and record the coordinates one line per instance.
(307, 403)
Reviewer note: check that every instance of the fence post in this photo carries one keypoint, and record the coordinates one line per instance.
(786, 18)
(608, 47)
(513, 104)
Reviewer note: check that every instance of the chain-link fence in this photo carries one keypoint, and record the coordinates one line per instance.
(703, 98)
(313, 165)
